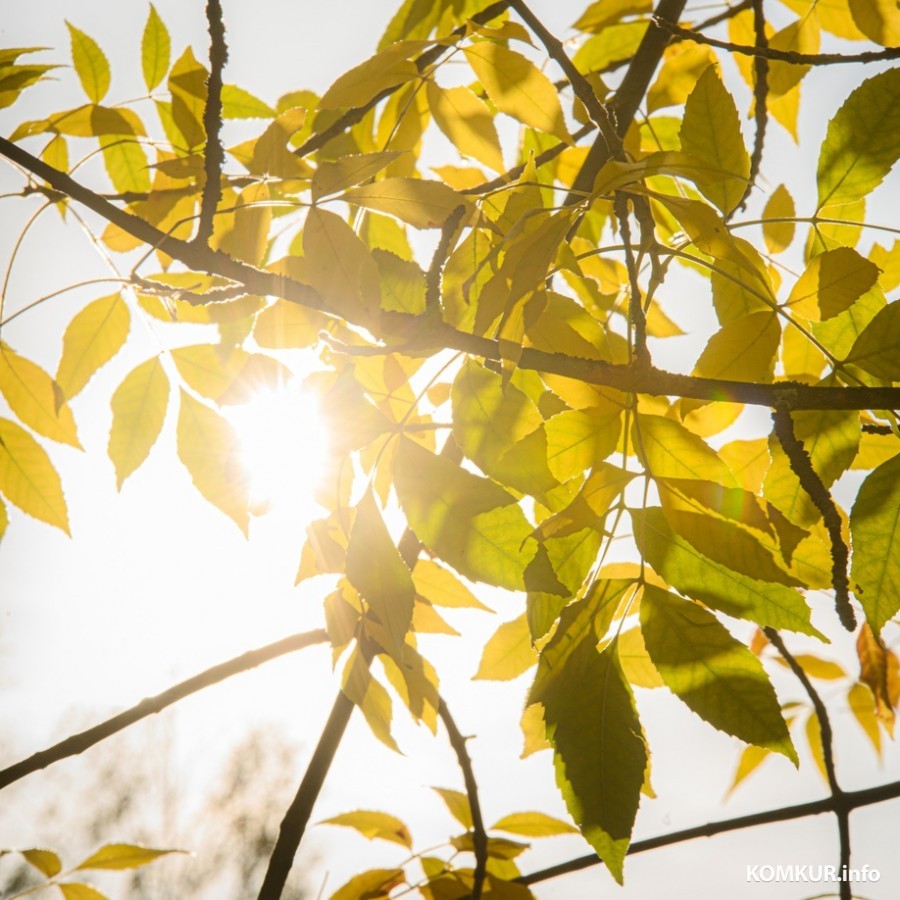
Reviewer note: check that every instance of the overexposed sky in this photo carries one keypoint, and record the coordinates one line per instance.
(156, 585)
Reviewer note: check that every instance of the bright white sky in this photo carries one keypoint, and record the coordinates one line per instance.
(156, 585)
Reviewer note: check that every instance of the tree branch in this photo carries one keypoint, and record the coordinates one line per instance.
(849, 800)
(760, 98)
(843, 814)
(630, 94)
(78, 743)
(479, 834)
(658, 382)
(635, 308)
(788, 56)
(422, 62)
(809, 479)
(214, 156)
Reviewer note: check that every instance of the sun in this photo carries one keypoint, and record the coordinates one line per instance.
(283, 444)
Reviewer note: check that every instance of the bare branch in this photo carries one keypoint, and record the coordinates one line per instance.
(635, 305)
(760, 99)
(843, 814)
(78, 743)
(788, 56)
(849, 801)
(479, 834)
(441, 252)
(809, 480)
(212, 122)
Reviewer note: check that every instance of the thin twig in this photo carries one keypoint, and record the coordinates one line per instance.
(479, 834)
(212, 122)
(788, 56)
(635, 304)
(849, 800)
(82, 741)
(760, 99)
(441, 252)
(809, 479)
(843, 814)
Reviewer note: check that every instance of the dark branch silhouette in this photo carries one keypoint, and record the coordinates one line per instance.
(82, 741)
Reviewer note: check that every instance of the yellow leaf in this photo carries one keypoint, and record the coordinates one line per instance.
(155, 49)
(862, 704)
(340, 266)
(832, 283)
(375, 884)
(284, 325)
(518, 88)
(801, 36)
(92, 338)
(138, 408)
(458, 804)
(122, 856)
(126, 163)
(508, 653)
(422, 204)
(228, 374)
(603, 13)
(370, 696)
(441, 587)
(778, 235)
(683, 64)
(343, 173)
(77, 890)
(35, 398)
(637, 666)
(751, 758)
(467, 123)
(45, 861)
(209, 448)
(878, 20)
(360, 84)
(711, 131)
(91, 65)
(244, 233)
(534, 730)
(28, 479)
(742, 350)
(372, 824)
(533, 824)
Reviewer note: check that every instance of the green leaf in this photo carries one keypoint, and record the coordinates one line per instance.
(599, 752)
(875, 534)
(711, 131)
(420, 203)
(458, 804)
(209, 448)
(712, 673)
(156, 49)
(533, 824)
(833, 282)
(91, 64)
(375, 569)
(508, 653)
(240, 104)
(862, 141)
(122, 856)
(35, 398)
(46, 862)
(877, 349)
(517, 87)
(374, 825)
(28, 479)
(93, 337)
(138, 409)
(470, 522)
(714, 584)
(467, 122)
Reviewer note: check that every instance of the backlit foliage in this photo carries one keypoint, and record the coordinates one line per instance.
(485, 331)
